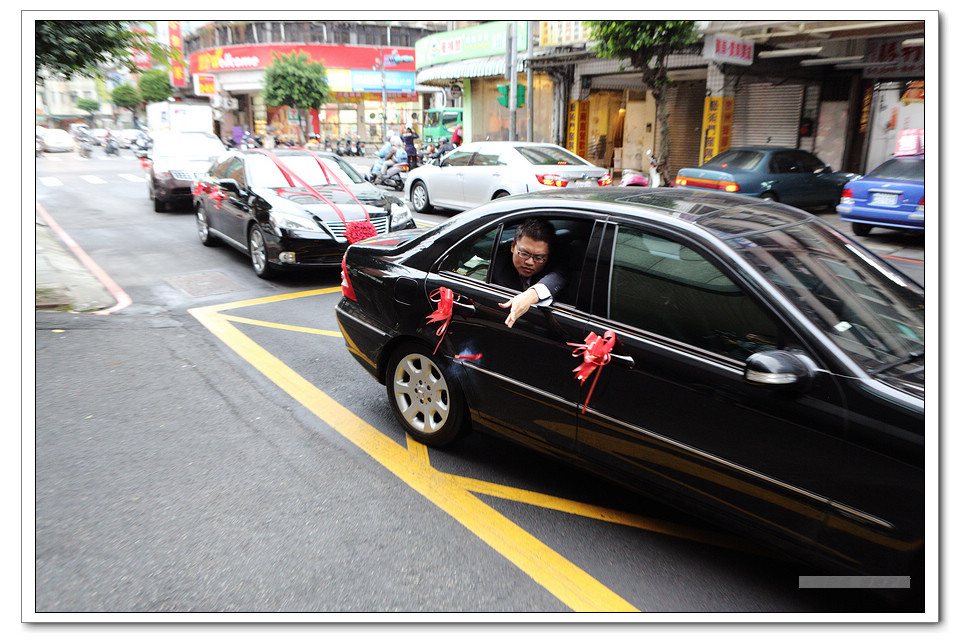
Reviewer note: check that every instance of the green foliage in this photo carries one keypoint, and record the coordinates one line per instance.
(88, 105)
(81, 47)
(646, 43)
(154, 86)
(295, 81)
(126, 96)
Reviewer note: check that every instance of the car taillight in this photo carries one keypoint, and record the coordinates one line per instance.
(730, 186)
(846, 197)
(552, 180)
(345, 286)
(606, 179)
(920, 207)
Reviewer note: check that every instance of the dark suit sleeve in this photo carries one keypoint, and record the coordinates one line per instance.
(554, 281)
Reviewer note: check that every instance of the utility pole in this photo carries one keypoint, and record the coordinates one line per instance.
(530, 25)
(512, 37)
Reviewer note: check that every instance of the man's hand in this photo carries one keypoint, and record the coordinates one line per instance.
(520, 304)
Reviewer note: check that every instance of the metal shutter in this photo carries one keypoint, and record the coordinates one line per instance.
(686, 120)
(766, 114)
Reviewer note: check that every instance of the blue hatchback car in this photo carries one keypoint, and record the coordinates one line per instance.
(891, 196)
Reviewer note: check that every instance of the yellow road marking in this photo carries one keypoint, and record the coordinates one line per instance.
(296, 329)
(566, 581)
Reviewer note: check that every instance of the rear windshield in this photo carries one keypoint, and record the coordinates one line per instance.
(735, 159)
(549, 156)
(901, 169)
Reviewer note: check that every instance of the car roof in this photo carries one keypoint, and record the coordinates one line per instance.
(716, 213)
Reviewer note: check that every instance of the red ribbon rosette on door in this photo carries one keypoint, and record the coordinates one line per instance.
(443, 297)
(596, 353)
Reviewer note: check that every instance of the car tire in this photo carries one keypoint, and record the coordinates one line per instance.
(257, 247)
(158, 205)
(203, 228)
(500, 194)
(420, 198)
(861, 229)
(425, 396)
(769, 196)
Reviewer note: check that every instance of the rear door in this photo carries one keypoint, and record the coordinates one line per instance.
(446, 185)
(517, 380)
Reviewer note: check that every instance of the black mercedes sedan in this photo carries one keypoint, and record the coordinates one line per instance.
(734, 357)
(290, 207)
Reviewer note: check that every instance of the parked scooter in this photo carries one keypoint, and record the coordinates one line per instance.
(656, 179)
(651, 179)
(86, 145)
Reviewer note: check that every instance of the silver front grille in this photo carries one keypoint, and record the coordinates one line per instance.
(181, 175)
(338, 228)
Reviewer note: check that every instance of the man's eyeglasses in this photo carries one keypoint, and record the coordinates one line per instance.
(523, 254)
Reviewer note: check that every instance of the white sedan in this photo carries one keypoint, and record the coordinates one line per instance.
(476, 173)
(57, 140)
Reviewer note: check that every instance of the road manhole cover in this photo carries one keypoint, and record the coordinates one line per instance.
(204, 284)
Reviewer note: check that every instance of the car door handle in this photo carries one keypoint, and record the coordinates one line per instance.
(464, 305)
(623, 361)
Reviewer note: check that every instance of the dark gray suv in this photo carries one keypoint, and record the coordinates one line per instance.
(177, 158)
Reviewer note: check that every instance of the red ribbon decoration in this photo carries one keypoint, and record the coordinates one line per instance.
(444, 311)
(596, 354)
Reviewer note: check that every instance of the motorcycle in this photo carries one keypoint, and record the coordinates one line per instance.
(656, 179)
(634, 178)
(354, 149)
(110, 147)
(652, 179)
(86, 147)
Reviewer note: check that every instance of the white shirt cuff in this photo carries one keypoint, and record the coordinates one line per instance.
(543, 293)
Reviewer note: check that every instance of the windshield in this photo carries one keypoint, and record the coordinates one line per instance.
(902, 169)
(736, 159)
(195, 146)
(872, 313)
(263, 172)
(549, 155)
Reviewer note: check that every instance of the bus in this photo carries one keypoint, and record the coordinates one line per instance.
(441, 122)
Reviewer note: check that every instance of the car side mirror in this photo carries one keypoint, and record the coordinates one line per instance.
(142, 154)
(230, 185)
(786, 370)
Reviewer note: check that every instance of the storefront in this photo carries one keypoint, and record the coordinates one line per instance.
(357, 85)
(472, 62)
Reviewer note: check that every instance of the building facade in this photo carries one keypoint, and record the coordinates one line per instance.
(841, 89)
(370, 70)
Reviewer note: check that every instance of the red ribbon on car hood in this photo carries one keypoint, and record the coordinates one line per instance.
(596, 354)
(444, 298)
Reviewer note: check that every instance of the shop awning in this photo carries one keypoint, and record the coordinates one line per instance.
(447, 73)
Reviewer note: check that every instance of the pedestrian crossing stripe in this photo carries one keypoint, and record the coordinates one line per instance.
(133, 177)
(50, 181)
(89, 178)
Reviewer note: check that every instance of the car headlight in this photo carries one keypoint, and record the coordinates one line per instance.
(288, 222)
(399, 215)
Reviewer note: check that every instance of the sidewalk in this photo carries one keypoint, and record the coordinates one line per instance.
(63, 282)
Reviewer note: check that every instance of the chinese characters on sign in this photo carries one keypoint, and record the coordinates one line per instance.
(888, 57)
(177, 72)
(717, 126)
(725, 49)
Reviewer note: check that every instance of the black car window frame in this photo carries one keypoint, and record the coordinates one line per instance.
(600, 307)
(458, 158)
(499, 235)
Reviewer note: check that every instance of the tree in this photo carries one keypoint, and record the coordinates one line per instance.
(89, 106)
(297, 82)
(646, 44)
(126, 96)
(154, 86)
(81, 47)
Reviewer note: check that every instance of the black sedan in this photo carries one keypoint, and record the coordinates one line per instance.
(737, 358)
(291, 207)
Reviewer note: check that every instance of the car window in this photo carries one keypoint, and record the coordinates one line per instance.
(546, 155)
(458, 158)
(785, 163)
(473, 258)
(233, 169)
(667, 288)
(902, 169)
(809, 162)
(736, 160)
(487, 156)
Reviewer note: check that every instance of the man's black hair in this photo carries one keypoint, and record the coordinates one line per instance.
(537, 229)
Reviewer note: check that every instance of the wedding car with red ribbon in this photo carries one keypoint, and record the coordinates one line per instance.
(291, 207)
(735, 357)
